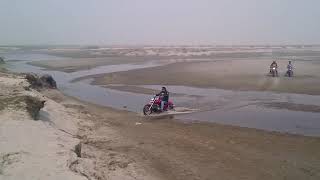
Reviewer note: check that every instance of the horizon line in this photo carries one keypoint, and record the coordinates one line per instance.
(161, 45)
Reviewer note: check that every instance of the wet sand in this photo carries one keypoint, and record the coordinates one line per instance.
(224, 74)
(132, 88)
(142, 90)
(73, 65)
(169, 149)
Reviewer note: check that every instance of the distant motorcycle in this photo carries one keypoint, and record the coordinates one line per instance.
(154, 106)
(273, 71)
(290, 72)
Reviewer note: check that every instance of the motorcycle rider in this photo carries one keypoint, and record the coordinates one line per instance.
(164, 96)
(289, 67)
(274, 64)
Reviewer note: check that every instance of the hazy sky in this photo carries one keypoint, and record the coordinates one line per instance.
(159, 21)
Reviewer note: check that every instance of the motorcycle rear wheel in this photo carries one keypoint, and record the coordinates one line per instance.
(171, 107)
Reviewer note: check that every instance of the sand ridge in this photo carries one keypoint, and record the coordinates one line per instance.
(33, 149)
(50, 147)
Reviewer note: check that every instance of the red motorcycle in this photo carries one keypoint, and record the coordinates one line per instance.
(154, 106)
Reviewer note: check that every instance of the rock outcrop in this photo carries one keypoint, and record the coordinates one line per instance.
(28, 103)
(33, 145)
(14, 97)
(44, 81)
(48, 81)
(1, 60)
(33, 106)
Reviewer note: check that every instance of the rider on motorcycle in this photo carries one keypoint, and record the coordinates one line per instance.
(289, 67)
(164, 95)
(274, 64)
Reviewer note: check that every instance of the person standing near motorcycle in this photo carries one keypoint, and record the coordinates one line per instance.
(164, 95)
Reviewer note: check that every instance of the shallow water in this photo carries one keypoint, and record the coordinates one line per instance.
(240, 108)
(83, 89)
(23, 56)
(252, 116)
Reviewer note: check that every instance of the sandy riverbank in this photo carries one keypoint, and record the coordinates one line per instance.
(48, 145)
(72, 65)
(122, 145)
(169, 149)
(34, 149)
(224, 74)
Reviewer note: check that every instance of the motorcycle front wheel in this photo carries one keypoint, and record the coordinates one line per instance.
(147, 110)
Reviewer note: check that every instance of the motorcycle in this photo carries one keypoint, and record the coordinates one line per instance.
(154, 106)
(273, 71)
(290, 72)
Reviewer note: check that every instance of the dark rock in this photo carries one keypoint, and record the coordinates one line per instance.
(77, 150)
(29, 103)
(33, 106)
(1, 60)
(27, 88)
(48, 81)
(34, 80)
(45, 81)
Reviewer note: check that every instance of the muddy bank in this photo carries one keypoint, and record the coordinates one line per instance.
(173, 150)
(228, 74)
